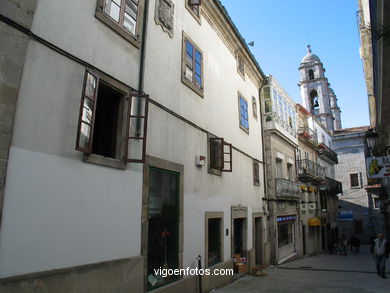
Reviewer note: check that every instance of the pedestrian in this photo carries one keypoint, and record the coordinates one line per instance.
(344, 244)
(379, 249)
(352, 242)
(357, 244)
(330, 246)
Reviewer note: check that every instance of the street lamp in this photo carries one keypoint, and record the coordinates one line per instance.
(371, 137)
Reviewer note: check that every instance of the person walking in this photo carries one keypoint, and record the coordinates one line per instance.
(357, 244)
(344, 244)
(379, 249)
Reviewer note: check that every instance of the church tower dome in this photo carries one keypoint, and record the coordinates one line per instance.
(315, 93)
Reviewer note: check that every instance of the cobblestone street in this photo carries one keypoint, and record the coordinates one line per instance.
(322, 273)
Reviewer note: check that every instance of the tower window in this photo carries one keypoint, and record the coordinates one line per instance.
(311, 74)
(314, 104)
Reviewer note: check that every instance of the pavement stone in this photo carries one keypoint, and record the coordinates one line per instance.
(354, 273)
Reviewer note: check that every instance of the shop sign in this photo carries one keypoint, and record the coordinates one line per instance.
(290, 218)
(345, 215)
(378, 167)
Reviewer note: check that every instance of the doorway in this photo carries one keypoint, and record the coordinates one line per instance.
(258, 239)
(163, 228)
(239, 236)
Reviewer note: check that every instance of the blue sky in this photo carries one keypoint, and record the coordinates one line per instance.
(282, 29)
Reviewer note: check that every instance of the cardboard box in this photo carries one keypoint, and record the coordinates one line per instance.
(241, 268)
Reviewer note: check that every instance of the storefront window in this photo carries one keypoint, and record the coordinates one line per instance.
(285, 233)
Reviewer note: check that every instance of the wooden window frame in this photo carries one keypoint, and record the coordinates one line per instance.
(240, 66)
(225, 150)
(239, 113)
(191, 83)
(256, 173)
(359, 185)
(126, 116)
(192, 12)
(118, 27)
(254, 107)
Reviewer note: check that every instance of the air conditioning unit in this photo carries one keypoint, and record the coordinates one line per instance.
(303, 206)
(312, 206)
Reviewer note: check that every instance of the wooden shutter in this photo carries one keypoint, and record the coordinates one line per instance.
(87, 113)
(256, 175)
(136, 128)
(227, 157)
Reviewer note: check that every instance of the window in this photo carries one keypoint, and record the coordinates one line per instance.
(220, 156)
(376, 202)
(214, 237)
(311, 74)
(355, 182)
(323, 201)
(194, 8)
(314, 103)
(285, 233)
(358, 226)
(289, 172)
(256, 173)
(112, 122)
(192, 65)
(254, 107)
(240, 66)
(122, 16)
(243, 111)
(279, 168)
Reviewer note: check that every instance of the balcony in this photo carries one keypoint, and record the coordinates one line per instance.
(327, 154)
(310, 171)
(287, 189)
(307, 134)
(333, 187)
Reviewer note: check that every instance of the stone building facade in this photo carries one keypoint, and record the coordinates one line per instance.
(283, 192)
(358, 209)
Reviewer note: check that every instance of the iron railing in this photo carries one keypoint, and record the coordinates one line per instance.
(308, 134)
(309, 168)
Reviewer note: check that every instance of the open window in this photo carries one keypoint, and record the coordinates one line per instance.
(314, 103)
(220, 155)
(311, 74)
(112, 122)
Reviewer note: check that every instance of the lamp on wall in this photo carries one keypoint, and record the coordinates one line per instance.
(371, 140)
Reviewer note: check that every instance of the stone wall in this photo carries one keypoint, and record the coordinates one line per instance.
(13, 46)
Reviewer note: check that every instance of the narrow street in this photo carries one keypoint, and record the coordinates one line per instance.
(322, 273)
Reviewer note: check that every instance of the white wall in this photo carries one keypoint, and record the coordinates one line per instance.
(174, 140)
(60, 211)
(74, 28)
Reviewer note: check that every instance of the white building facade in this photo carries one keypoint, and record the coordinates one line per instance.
(135, 146)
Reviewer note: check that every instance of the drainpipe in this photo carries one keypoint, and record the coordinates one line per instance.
(262, 138)
(143, 47)
(142, 65)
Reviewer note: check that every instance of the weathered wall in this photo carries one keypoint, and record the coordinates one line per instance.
(13, 46)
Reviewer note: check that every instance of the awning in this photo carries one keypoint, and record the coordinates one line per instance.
(313, 222)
